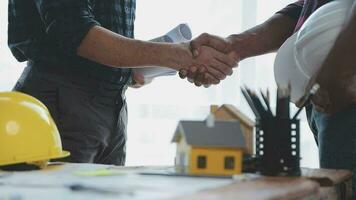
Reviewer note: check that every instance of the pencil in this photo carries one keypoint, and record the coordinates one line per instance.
(266, 102)
(249, 101)
(306, 98)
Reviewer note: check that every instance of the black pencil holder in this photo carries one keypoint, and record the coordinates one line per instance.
(278, 147)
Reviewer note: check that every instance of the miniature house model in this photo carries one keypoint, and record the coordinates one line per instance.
(210, 147)
(230, 112)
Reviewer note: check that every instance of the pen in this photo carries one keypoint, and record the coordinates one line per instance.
(257, 102)
(266, 102)
(306, 98)
(249, 101)
(283, 103)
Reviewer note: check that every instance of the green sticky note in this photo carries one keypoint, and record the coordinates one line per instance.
(99, 172)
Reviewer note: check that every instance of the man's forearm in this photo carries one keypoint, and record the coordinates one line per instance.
(264, 38)
(340, 61)
(258, 40)
(108, 48)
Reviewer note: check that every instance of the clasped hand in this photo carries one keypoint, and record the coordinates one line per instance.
(213, 60)
(208, 60)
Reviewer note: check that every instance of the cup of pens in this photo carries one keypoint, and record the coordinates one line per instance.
(277, 147)
(277, 135)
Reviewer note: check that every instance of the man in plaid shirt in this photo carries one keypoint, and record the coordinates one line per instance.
(334, 122)
(79, 53)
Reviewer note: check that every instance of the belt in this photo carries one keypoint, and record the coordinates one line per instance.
(71, 78)
(99, 73)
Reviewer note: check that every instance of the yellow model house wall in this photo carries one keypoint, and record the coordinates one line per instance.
(215, 161)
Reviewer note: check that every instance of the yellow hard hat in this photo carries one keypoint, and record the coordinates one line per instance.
(28, 133)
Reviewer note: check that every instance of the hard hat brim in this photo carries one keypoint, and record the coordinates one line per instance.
(63, 154)
(287, 72)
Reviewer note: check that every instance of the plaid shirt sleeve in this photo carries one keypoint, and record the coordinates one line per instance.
(293, 10)
(66, 22)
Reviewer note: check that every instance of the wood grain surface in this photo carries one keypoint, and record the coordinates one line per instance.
(267, 188)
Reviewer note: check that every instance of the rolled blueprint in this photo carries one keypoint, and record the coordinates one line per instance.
(181, 33)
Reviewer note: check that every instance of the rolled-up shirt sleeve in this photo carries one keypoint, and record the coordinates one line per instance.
(293, 10)
(66, 22)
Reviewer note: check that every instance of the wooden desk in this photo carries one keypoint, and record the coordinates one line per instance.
(126, 183)
(314, 184)
(262, 189)
(334, 184)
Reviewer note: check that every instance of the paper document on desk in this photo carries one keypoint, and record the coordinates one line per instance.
(181, 33)
(61, 182)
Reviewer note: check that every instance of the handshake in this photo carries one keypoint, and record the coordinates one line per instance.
(213, 59)
(205, 60)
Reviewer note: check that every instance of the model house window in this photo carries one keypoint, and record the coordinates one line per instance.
(229, 162)
(201, 162)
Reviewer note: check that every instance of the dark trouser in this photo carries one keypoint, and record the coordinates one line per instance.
(336, 138)
(91, 115)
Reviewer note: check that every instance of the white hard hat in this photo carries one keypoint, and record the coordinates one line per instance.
(301, 56)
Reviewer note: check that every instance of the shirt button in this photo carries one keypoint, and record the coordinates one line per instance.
(127, 10)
